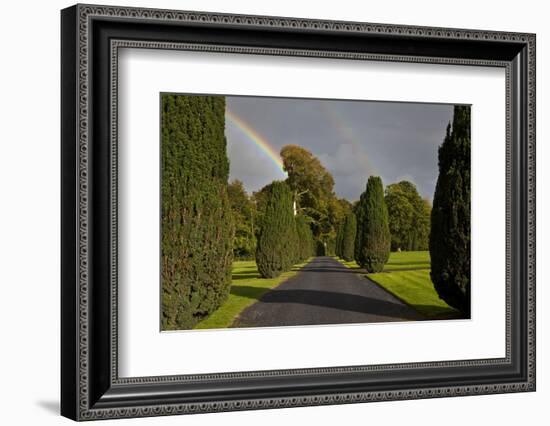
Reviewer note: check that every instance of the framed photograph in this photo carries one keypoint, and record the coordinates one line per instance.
(263, 212)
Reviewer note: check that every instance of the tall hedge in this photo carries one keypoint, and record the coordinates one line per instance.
(197, 225)
(450, 218)
(276, 247)
(372, 242)
(347, 244)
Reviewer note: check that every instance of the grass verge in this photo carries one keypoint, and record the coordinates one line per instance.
(415, 288)
(246, 288)
(407, 277)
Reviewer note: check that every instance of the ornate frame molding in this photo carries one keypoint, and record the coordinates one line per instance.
(78, 24)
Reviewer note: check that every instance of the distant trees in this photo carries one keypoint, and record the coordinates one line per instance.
(372, 243)
(400, 217)
(409, 217)
(313, 188)
(320, 248)
(259, 199)
(244, 242)
(277, 247)
(450, 219)
(197, 221)
(425, 225)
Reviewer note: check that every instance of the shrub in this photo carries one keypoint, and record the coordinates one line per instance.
(197, 224)
(450, 218)
(372, 242)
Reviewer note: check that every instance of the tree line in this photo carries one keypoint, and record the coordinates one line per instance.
(408, 213)
(207, 222)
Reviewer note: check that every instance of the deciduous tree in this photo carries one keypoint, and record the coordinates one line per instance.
(244, 242)
(409, 217)
(312, 185)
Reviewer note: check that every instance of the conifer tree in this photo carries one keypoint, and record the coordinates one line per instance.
(197, 224)
(339, 239)
(347, 244)
(276, 246)
(305, 238)
(372, 242)
(450, 217)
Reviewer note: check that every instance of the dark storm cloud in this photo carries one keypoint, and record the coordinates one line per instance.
(352, 139)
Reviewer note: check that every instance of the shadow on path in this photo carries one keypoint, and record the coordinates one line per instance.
(331, 269)
(324, 291)
(331, 299)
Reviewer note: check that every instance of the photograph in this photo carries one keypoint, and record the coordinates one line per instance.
(299, 212)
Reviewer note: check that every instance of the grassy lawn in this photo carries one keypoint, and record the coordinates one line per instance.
(407, 276)
(246, 288)
(408, 260)
(415, 288)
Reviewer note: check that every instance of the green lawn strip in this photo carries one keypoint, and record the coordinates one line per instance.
(399, 261)
(407, 277)
(408, 260)
(415, 288)
(246, 288)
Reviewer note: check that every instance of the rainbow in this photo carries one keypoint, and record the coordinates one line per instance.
(339, 122)
(260, 141)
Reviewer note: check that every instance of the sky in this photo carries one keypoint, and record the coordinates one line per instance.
(352, 139)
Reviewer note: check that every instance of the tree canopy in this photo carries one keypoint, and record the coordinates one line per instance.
(312, 185)
(313, 189)
(409, 217)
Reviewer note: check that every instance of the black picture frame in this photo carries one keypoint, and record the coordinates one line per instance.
(90, 386)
